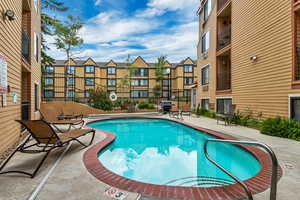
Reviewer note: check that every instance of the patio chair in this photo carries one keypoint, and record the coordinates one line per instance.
(226, 117)
(175, 113)
(52, 116)
(45, 139)
(186, 110)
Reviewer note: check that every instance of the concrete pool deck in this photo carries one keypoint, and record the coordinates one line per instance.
(64, 175)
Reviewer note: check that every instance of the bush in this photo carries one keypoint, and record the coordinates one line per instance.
(281, 127)
(145, 105)
(100, 99)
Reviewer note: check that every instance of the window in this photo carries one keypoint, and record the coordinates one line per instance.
(36, 47)
(36, 97)
(205, 104)
(205, 75)
(70, 93)
(140, 72)
(89, 69)
(224, 106)
(295, 108)
(111, 70)
(139, 94)
(187, 93)
(188, 80)
(207, 9)
(49, 69)
(36, 5)
(89, 81)
(166, 94)
(49, 81)
(71, 70)
(87, 93)
(205, 42)
(48, 93)
(188, 68)
(70, 81)
(139, 82)
(111, 82)
(166, 82)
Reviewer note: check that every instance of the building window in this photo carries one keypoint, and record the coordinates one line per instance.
(205, 75)
(70, 93)
(139, 94)
(111, 70)
(224, 106)
(139, 82)
(89, 81)
(140, 72)
(207, 9)
(166, 82)
(87, 93)
(49, 81)
(36, 97)
(70, 81)
(205, 104)
(205, 41)
(37, 5)
(187, 93)
(188, 80)
(48, 93)
(111, 82)
(49, 69)
(188, 68)
(89, 69)
(295, 108)
(36, 47)
(166, 94)
(71, 70)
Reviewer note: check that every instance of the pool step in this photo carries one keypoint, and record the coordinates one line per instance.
(200, 181)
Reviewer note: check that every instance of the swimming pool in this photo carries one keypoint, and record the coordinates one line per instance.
(162, 152)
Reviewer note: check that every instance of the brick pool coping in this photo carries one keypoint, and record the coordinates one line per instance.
(256, 184)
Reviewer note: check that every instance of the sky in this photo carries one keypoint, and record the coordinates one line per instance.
(114, 29)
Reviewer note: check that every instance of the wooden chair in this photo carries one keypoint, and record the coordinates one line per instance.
(186, 110)
(226, 117)
(45, 139)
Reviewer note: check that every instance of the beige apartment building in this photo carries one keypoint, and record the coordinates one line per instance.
(248, 56)
(73, 80)
(20, 67)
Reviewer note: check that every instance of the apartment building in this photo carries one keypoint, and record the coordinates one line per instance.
(68, 80)
(248, 56)
(20, 72)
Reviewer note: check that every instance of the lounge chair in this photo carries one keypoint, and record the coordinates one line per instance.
(226, 117)
(186, 110)
(45, 139)
(52, 115)
(175, 113)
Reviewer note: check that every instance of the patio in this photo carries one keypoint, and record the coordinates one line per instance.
(64, 176)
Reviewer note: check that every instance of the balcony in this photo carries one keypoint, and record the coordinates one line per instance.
(224, 72)
(222, 4)
(25, 46)
(224, 37)
(223, 81)
(297, 68)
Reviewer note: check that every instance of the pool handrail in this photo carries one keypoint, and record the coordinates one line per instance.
(273, 191)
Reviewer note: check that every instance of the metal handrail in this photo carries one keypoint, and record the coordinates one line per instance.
(274, 160)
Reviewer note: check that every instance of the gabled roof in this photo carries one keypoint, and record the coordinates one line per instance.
(111, 63)
(90, 61)
(187, 61)
(139, 61)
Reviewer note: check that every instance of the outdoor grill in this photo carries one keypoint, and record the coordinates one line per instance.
(166, 106)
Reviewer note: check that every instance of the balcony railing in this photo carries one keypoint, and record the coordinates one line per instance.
(224, 37)
(25, 46)
(221, 4)
(224, 81)
(297, 69)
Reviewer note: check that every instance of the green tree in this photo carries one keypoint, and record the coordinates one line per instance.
(67, 35)
(160, 70)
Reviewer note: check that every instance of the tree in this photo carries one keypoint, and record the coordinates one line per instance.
(160, 71)
(67, 35)
(48, 25)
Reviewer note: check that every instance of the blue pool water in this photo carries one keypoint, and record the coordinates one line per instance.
(158, 151)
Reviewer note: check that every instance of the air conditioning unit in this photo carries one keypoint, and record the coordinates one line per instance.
(204, 55)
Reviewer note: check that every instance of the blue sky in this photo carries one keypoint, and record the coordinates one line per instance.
(149, 28)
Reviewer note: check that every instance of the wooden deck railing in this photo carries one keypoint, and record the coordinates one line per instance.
(223, 81)
(221, 4)
(224, 37)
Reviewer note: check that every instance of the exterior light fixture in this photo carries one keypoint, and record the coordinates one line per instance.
(10, 15)
(253, 58)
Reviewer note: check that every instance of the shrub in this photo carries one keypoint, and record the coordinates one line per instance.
(281, 127)
(143, 105)
(100, 99)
